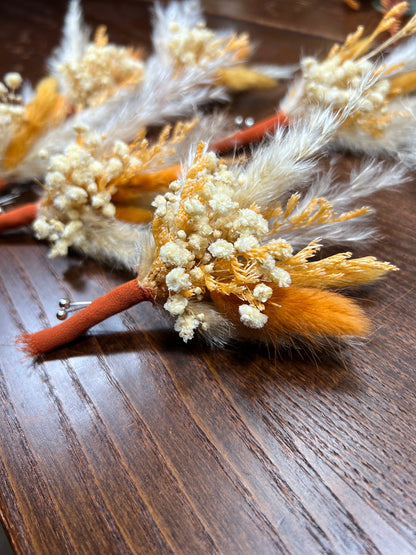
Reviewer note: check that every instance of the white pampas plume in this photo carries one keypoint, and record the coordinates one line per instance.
(402, 59)
(75, 38)
(365, 180)
(297, 148)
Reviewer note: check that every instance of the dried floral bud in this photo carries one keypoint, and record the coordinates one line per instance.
(251, 317)
(13, 80)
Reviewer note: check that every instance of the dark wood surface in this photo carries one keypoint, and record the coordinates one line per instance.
(129, 441)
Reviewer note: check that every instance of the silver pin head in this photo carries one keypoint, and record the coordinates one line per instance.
(62, 314)
(64, 303)
(66, 306)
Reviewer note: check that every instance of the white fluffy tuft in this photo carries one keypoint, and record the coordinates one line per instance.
(75, 37)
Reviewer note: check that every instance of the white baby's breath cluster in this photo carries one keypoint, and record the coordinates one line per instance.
(211, 244)
(102, 69)
(332, 83)
(11, 107)
(196, 46)
(78, 183)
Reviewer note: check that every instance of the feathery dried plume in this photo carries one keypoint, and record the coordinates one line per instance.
(74, 42)
(218, 260)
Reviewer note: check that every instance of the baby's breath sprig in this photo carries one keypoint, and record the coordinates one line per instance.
(91, 181)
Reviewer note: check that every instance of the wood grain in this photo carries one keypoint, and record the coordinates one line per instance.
(128, 441)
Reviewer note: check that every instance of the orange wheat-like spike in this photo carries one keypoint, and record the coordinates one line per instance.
(119, 299)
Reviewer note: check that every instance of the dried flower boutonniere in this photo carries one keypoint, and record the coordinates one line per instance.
(231, 253)
(384, 123)
(112, 90)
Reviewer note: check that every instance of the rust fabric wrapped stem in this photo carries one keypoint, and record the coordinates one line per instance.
(117, 300)
(18, 217)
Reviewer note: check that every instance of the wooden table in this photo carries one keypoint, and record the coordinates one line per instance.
(131, 442)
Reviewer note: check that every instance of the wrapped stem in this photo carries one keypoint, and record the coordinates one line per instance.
(253, 134)
(119, 299)
(24, 215)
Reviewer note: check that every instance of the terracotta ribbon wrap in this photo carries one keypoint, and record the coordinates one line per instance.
(121, 298)
(252, 134)
(18, 217)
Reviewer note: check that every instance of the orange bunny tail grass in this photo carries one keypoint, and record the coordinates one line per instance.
(145, 181)
(119, 299)
(353, 4)
(308, 313)
(253, 134)
(133, 214)
(18, 217)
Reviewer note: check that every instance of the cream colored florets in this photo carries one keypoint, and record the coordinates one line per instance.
(206, 242)
(196, 46)
(262, 292)
(251, 316)
(13, 80)
(200, 46)
(100, 72)
(11, 109)
(332, 83)
(77, 184)
(178, 280)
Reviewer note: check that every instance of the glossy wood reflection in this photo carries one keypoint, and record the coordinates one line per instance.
(128, 441)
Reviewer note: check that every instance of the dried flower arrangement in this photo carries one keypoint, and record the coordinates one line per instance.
(385, 123)
(190, 65)
(83, 74)
(98, 193)
(231, 250)
(110, 88)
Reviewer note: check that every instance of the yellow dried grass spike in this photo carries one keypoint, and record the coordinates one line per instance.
(402, 84)
(317, 211)
(355, 47)
(242, 78)
(101, 36)
(340, 270)
(240, 45)
(46, 108)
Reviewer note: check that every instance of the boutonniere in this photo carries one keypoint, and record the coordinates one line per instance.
(384, 121)
(232, 250)
(112, 89)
